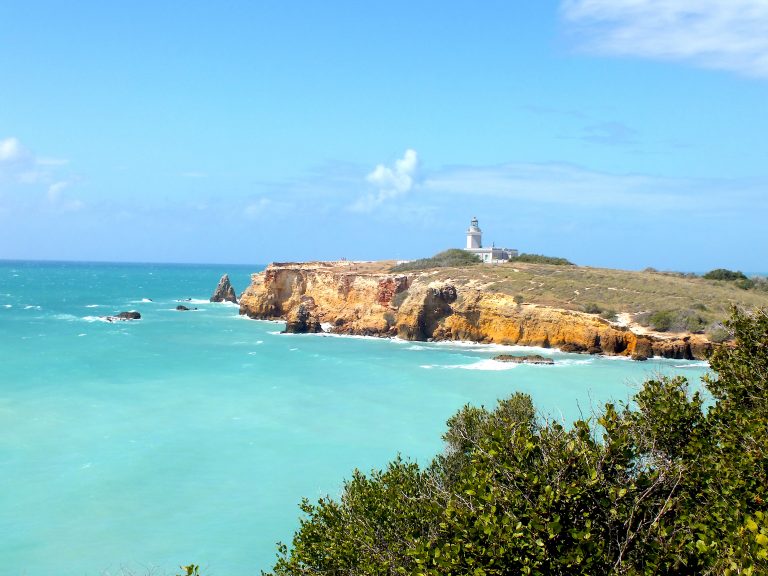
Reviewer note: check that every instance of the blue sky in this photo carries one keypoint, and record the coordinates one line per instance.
(621, 133)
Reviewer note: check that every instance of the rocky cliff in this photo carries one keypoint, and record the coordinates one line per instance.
(363, 299)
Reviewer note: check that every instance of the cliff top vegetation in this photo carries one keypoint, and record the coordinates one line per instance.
(453, 257)
(541, 259)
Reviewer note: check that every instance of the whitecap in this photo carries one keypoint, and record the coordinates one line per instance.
(95, 318)
(93, 305)
(486, 364)
(83, 334)
(416, 347)
(67, 317)
(693, 364)
(32, 307)
(7, 305)
(326, 326)
(195, 301)
(567, 362)
(464, 344)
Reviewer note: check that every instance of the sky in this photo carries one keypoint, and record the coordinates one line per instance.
(616, 133)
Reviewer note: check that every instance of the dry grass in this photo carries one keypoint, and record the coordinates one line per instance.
(573, 287)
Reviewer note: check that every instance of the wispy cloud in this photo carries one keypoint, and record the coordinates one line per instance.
(721, 34)
(610, 134)
(57, 199)
(20, 167)
(389, 182)
(257, 208)
(570, 185)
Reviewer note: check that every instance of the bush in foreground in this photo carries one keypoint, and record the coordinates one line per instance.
(658, 486)
(450, 257)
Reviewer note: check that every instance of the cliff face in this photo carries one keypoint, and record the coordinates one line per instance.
(362, 299)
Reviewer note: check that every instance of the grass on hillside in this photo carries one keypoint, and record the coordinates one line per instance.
(598, 289)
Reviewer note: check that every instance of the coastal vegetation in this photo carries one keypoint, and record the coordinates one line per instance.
(540, 259)
(665, 484)
(446, 258)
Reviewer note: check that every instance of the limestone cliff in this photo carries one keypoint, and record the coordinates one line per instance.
(363, 299)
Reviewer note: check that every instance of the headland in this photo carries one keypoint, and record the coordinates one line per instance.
(515, 303)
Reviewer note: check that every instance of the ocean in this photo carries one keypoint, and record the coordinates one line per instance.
(191, 437)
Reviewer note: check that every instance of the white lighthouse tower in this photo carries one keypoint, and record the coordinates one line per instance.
(474, 235)
(492, 255)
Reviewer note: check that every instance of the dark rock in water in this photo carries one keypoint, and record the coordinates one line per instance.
(184, 308)
(595, 350)
(224, 291)
(532, 359)
(132, 315)
(572, 347)
(639, 357)
(303, 320)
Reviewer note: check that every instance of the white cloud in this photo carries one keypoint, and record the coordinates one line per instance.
(721, 34)
(11, 151)
(389, 182)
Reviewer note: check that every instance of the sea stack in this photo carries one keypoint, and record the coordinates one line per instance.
(224, 291)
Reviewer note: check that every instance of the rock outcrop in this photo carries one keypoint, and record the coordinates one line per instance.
(355, 298)
(224, 291)
(530, 359)
(123, 316)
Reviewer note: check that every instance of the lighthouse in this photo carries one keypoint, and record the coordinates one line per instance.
(474, 235)
(492, 255)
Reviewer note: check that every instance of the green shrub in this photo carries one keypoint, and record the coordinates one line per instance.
(659, 485)
(592, 308)
(451, 257)
(661, 321)
(718, 333)
(518, 299)
(539, 259)
(744, 283)
(609, 314)
(724, 274)
(672, 320)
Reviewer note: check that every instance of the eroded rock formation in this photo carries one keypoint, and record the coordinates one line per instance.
(224, 291)
(358, 299)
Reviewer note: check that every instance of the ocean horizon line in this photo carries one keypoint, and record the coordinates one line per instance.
(124, 262)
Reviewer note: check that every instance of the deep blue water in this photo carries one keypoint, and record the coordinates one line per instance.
(184, 437)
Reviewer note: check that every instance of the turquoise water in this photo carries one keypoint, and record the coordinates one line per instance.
(183, 437)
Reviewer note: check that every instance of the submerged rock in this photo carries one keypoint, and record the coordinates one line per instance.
(224, 291)
(183, 308)
(531, 359)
